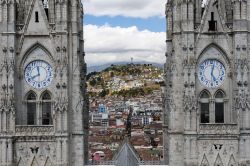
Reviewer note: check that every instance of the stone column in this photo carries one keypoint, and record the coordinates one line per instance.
(65, 151)
(1, 151)
(1, 121)
(4, 122)
(212, 111)
(58, 152)
(4, 151)
(65, 123)
(10, 152)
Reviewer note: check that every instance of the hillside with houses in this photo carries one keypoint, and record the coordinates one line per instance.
(121, 95)
(129, 80)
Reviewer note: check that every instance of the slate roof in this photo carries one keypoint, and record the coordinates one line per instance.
(126, 155)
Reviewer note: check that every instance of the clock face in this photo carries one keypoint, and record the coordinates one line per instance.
(211, 73)
(38, 74)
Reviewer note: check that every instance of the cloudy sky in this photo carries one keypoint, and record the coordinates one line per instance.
(118, 30)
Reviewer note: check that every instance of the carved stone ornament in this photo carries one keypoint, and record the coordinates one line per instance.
(61, 104)
(170, 105)
(178, 147)
(5, 2)
(8, 64)
(61, 62)
(7, 106)
(80, 104)
(190, 103)
(208, 129)
(7, 100)
(61, 99)
(33, 130)
(35, 152)
(241, 64)
(242, 101)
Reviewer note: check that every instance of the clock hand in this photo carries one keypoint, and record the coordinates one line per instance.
(34, 76)
(214, 77)
(38, 73)
(38, 70)
(212, 73)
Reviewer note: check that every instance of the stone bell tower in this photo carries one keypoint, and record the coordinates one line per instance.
(43, 99)
(207, 82)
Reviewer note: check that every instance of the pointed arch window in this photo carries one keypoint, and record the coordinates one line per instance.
(219, 107)
(46, 7)
(212, 24)
(204, 107)
(212, 108)
(31, 108)
(46, 109)
(45, 3)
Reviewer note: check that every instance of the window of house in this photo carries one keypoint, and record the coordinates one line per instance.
(31, 109)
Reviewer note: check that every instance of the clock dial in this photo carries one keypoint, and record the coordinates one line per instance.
(211, 73)
(38, 74)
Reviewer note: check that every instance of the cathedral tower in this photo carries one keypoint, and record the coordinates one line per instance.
(44, 108)
(207, 82)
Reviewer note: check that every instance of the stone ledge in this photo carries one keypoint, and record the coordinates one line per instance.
(34, 130)
(218, 129)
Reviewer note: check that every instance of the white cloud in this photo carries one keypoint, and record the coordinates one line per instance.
(127, 8)
(105, 44)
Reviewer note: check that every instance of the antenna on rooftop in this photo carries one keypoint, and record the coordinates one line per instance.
(132, 59)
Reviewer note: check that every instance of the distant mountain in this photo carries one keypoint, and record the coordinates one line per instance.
(104, 66)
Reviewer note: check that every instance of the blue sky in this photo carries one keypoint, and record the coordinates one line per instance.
(154, 24)
(118, 30)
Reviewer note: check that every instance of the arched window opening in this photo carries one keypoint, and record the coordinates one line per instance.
(204, 95)
(203, 6)
(46, 109)
(31, 96)
(31, 109)
(204, 3)
(219, 95)
(219, 107)
(46, 7)
(212, 24)
(46, 96)
(204, 107)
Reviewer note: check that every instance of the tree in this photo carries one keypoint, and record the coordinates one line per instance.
(91, 74)
(104, 92)
(92, 82)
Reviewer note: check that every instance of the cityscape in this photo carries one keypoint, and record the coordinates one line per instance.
(110, 113)
(124, 82)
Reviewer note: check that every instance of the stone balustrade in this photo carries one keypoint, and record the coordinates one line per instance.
(220, 129)
(34, 130)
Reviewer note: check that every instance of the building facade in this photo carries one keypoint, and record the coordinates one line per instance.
(207, 83)
(44, 107)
